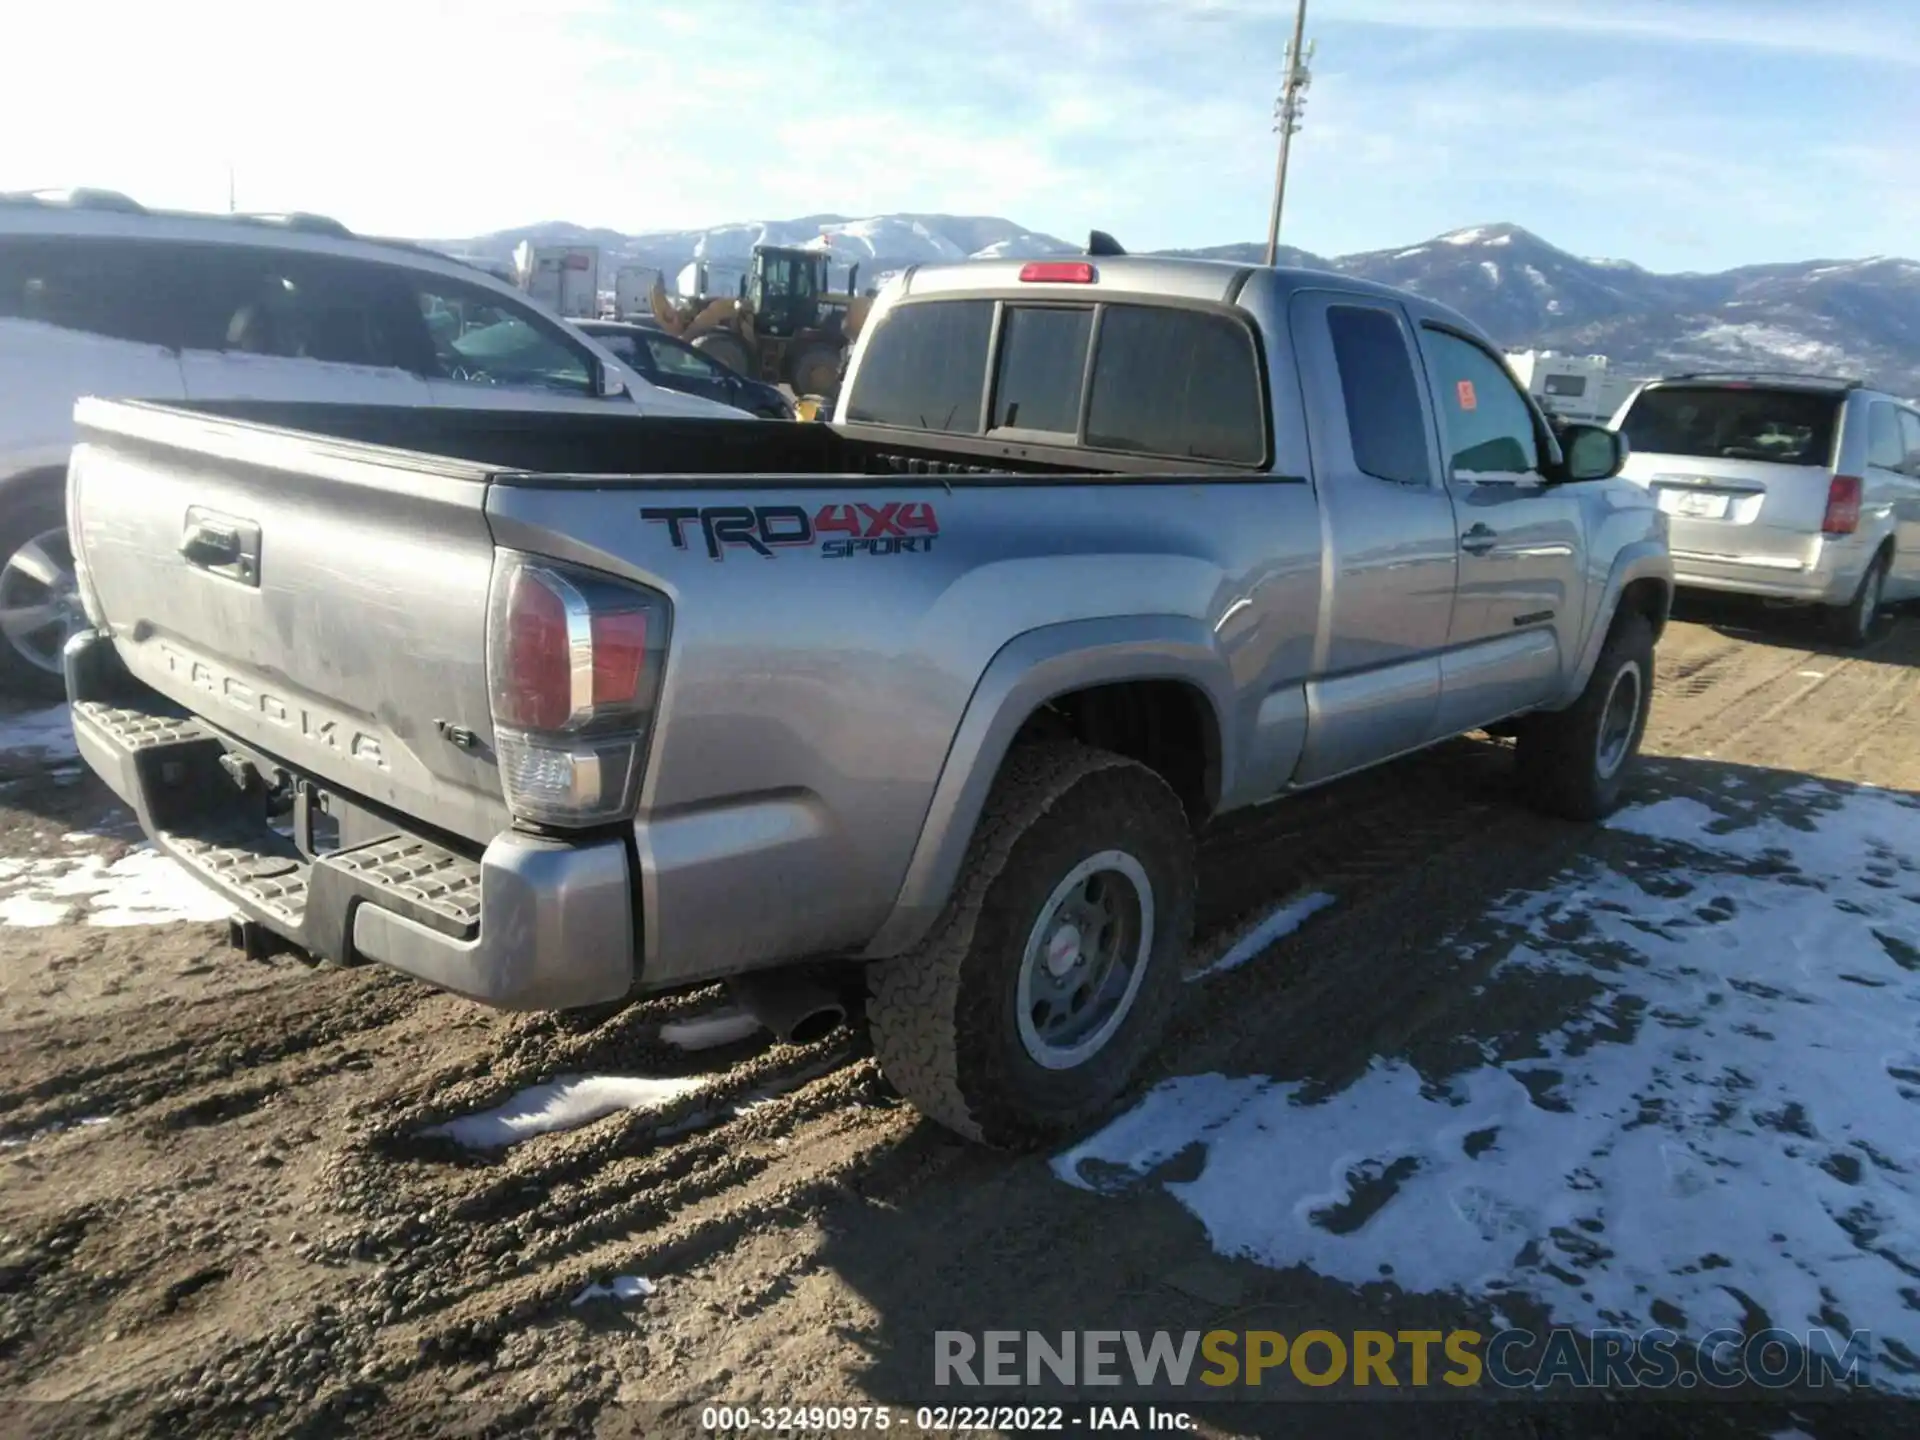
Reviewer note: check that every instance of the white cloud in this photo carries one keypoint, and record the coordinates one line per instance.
(1888, 31)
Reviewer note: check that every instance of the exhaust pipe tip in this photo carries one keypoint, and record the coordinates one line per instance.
(794, 1005)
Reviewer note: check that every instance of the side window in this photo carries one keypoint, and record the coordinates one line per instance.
(1180, 383)
(1488, 426)
(296, 306)
(1043, 362)
(1382, 396)
(1910, 441)
(925, 366)
(1885, 450)
(627, 349)
(673, 359)
(480, 338)
(90, 286)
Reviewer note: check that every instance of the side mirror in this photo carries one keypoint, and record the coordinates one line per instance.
(612, 385)
(1591, 452)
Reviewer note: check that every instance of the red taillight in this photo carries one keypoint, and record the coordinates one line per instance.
(535, 688)
(1057, 272)
(1843, 506)
(619, 655)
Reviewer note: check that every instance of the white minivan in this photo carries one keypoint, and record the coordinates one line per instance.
(1792, 487)
(100, 296)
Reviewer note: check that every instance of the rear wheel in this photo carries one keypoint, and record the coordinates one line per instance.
(1046, 982)
(39, 600)
(813, 369)
(1856, 623)
(727, 350)
(1574, 762)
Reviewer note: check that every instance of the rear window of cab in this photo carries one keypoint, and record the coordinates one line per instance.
(1165, 380)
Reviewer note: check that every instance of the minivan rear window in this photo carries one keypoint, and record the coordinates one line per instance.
(1720, 422)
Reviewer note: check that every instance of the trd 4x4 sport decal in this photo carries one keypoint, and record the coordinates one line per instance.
(840, 531)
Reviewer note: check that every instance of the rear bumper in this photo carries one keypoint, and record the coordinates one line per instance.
(1828, 573)
(533, 924)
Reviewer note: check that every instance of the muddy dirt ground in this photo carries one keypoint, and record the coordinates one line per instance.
(218, 1211)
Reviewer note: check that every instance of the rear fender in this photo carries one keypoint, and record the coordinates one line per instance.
(1028, 671)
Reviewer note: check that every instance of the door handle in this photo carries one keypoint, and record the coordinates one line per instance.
(210, 545)
(1478, 540)
(221, 545)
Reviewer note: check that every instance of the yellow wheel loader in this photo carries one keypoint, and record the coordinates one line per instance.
(784, 327)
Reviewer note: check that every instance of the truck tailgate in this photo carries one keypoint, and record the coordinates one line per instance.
(325, 605)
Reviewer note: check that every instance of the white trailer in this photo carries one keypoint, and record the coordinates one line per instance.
(564, 278)
(631, 286)
(1577, 387)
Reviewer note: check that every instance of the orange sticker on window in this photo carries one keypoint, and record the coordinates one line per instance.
(1465, 391)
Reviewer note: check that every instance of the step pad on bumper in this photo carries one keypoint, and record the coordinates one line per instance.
(167, 767)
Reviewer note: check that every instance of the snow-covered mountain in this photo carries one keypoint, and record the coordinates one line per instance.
(1852, 316)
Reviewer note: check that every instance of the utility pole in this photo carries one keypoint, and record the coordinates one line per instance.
(232, 207)
(1286, 117)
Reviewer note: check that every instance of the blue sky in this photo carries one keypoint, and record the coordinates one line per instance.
(1683, 134)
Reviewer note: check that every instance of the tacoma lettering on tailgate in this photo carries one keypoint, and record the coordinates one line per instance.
(329, 731)
(841, 531)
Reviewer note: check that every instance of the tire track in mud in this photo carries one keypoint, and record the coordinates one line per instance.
(231, 1047)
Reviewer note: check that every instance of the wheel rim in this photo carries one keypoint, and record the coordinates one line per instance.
(1618, 720)
(1085, 958)
(40, 600)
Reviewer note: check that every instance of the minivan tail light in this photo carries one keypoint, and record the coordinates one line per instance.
(1843, 506)
(1057, 272)
(573, 672)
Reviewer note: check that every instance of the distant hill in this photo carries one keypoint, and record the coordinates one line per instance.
(1858, 317)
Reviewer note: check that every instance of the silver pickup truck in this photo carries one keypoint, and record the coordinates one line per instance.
(555, 710)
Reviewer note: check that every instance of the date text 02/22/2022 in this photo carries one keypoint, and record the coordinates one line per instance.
(938, 1419)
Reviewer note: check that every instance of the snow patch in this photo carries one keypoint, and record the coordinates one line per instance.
(623, 1288)
(1732, 1114)
(709, 1032)
(142, 887)
(1493, 270)
(1748, 337)
(1409, 254)
(45, 735)
(565, 1104)
(1284, 920)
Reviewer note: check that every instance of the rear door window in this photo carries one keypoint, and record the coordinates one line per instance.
(300, 307)
(1910, 442)
(1384, 419)
(925, 367)
(1043, 366)
(1722, 422)
(1175, 382)
(1885, 450)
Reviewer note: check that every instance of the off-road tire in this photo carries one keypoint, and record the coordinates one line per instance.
(813, 368)
(728, 350)
(943, 1015)
(29, 506)
(1558, 751)
(1856, 623)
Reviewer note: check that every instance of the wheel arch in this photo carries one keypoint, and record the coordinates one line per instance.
(1144, 686)
(1640, 580)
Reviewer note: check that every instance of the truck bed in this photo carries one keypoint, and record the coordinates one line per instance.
(538, 447)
